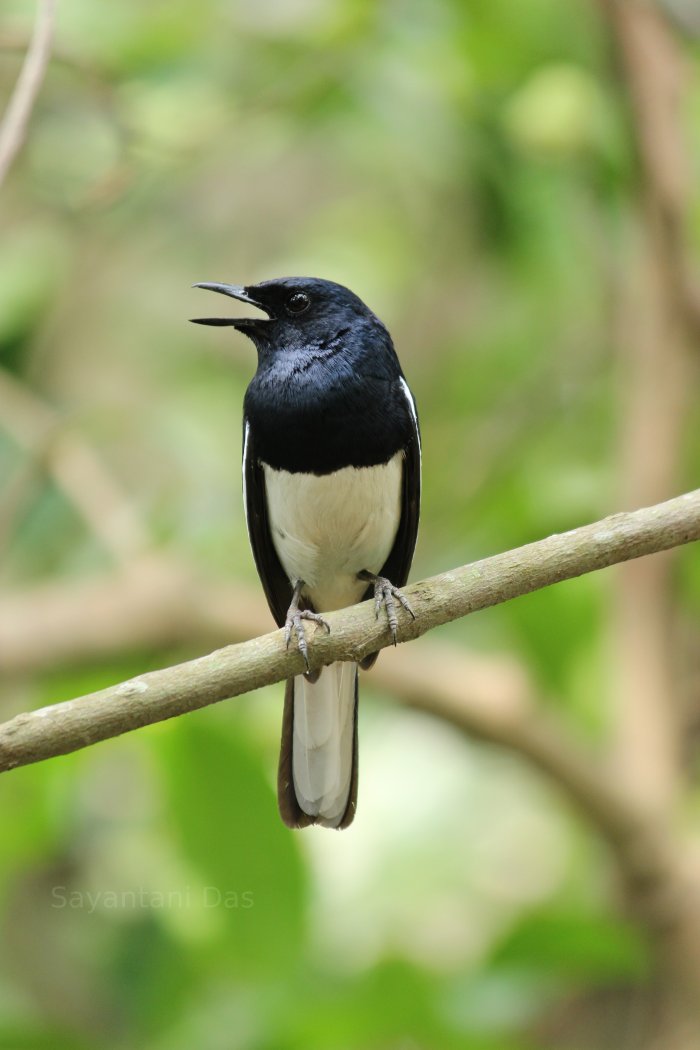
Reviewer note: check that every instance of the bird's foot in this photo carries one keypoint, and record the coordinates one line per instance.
(384, 594)
(295, 622)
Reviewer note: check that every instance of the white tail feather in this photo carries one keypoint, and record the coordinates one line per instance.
(323, 742)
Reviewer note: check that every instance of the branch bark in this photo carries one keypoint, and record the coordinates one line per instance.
(153, 697)
(159, 603)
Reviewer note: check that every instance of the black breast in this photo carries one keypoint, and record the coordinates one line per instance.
(316, 422)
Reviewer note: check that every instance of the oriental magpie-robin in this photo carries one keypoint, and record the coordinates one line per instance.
(331, 483)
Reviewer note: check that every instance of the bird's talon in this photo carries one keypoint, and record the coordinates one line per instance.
(294, 624)
(384, 594)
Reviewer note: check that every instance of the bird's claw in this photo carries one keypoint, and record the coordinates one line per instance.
(294, 624)
(384, 594)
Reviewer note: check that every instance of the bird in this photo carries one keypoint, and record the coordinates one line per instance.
(331, 490)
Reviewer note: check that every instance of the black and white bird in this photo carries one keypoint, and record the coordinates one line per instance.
(331, 482)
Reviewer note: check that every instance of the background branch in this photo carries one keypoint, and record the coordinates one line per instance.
(656, 322)
(658, 326)
(13, 128)
(654, 75)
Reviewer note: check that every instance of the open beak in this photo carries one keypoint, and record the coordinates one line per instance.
(235, 291)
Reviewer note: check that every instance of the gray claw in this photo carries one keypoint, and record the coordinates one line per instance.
(294, 623)
(384, 594)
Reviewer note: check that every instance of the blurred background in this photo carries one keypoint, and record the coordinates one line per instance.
(511, 187)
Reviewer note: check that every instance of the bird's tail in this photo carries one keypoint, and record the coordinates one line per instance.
(317, 780)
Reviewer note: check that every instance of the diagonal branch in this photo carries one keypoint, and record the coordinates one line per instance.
(13, 128)
(355, 633)
(160, 603)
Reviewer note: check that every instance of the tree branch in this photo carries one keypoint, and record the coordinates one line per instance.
(159, 603)
(355, 633)
(14, 124)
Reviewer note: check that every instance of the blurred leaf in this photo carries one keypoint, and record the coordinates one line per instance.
(30, 825)
(31, 267)
(567, 945)
(224, 812)
(559, 111)
(31, 1037)
(553, 626)
(393, 1005)
(154, 976)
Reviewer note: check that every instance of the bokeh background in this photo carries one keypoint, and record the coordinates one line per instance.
(511, 186)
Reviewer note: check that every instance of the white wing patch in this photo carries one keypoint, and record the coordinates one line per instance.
(245, 494)
(412, 410)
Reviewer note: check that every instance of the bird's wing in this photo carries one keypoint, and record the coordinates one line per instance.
(398, 564)
(278, 589)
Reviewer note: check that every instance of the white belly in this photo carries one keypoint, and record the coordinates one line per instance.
(326, 529)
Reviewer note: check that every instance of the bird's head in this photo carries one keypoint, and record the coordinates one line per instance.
(301, 311)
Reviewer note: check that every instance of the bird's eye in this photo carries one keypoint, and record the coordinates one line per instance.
(298, 302)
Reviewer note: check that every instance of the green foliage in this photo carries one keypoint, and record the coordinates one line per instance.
(466, 167)
(224, 813)
(568, 946)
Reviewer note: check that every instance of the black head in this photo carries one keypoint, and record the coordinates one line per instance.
(301, 311)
